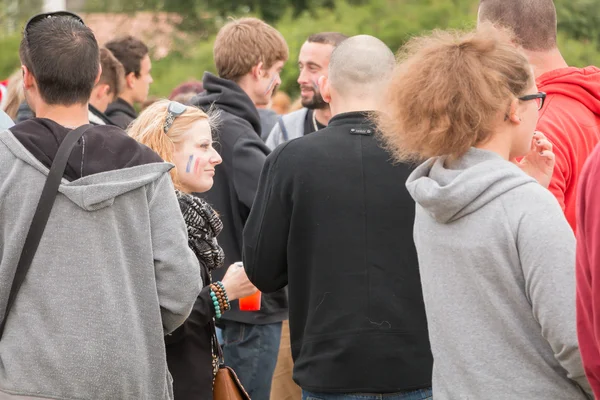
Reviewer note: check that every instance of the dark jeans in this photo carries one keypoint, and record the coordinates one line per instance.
(421, 394)
(251, 350)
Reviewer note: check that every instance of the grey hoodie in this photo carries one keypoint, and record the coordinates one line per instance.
(112, 274)
(294, 124)
(497, 264)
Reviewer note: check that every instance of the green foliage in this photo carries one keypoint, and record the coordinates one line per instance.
(9, 61)
(393, 21)
(579, 19)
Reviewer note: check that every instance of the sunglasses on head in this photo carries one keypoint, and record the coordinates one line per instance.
(174, 110)
(37, 18)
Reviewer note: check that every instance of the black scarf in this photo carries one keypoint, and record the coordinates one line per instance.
(203, 226)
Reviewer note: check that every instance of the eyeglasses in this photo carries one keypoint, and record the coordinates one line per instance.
(37, 18)
(174, 110)
(539, 97)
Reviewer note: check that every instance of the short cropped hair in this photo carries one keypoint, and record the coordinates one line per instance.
(129, 51)
(532, 21)
(361, 66)
(242, 44)
(449, 90)
(113, 73)
(62, 54)
(332, 38)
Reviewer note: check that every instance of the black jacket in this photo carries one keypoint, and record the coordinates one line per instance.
(121, 113)
(189, 352)
(332, 216)
(102, 148)
(235, 183)
(24, 112)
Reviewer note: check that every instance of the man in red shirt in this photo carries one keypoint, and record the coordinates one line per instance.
(588, 269)
(570, 118)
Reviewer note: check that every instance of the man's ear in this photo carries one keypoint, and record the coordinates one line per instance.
(324, 88)
(99, 74)
(101, 91)
(130, 80)
(257, 71)
(28, 78)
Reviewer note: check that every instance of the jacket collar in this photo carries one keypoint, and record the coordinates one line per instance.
(354, 118)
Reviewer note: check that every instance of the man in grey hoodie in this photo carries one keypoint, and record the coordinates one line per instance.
(313, 62)
(113, 273)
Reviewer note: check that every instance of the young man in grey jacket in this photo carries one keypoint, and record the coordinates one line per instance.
(113, 273)
(313, 62)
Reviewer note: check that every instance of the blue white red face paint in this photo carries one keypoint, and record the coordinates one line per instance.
(270, 84)
(196, 163)
(315, 86)
(189, 164)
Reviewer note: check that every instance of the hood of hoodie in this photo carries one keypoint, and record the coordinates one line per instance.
(581, 84)
(450, 192)
(104, 164)
(122, 106)
(228, 96)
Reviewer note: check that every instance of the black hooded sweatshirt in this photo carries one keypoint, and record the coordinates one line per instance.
(121, 113)
(101, 148)
(236, 182)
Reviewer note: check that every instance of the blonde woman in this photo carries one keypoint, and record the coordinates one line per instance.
(182, 135)
(496, 254)
(14, 94)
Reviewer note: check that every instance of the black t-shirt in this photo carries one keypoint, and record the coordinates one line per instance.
(309, 126)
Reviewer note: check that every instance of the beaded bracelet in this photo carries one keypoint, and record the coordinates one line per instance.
(227, 304)
(219, 297)
(215, 301)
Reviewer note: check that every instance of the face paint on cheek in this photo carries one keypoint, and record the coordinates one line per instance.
(196, 166)
(270, 85)
(315, 86)
(189, 164)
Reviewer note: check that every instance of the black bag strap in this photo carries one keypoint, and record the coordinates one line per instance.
(284, 131)
(216, 344)
(42, 213)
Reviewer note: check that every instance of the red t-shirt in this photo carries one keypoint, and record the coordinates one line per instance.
(570, 119)
(588, 269)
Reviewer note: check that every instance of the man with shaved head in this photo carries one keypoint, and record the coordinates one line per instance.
(333, 220)
(570, 118)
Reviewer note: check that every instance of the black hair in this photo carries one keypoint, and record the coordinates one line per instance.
(63, 56)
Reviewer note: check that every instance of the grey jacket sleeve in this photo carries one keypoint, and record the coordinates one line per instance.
(275, 138)
(546, 246)
(177, 270)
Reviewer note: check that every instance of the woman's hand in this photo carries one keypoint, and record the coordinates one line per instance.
(236, 283)
(539, 162)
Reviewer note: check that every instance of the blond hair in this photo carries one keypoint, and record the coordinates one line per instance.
(242, 44)
(449, 90)
(148, 129)
(14, 94)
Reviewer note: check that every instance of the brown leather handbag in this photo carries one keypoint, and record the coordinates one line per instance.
(227, 386)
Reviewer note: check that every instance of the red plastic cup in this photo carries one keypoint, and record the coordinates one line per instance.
(251, 303)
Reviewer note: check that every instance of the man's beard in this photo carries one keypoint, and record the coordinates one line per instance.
(316, 103)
